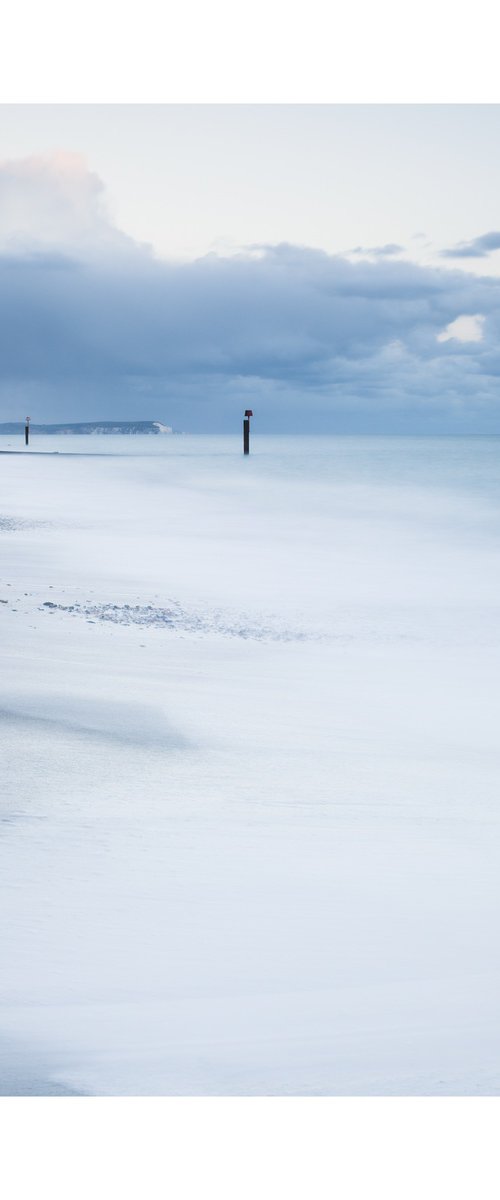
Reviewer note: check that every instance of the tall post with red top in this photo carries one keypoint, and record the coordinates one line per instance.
(246, 430)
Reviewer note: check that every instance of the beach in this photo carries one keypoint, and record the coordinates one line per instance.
(249, 823)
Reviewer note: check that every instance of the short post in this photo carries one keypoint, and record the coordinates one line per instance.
(246, 430)
(27, 431)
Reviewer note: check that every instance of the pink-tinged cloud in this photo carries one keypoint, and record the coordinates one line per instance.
(53, 201)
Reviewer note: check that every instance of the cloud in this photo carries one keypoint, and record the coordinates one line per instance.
(464, 329)
(53, 202)
(479, 247)
(386, 251)
(92, 325)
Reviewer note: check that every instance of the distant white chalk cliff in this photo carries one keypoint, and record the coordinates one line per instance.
(87, 427)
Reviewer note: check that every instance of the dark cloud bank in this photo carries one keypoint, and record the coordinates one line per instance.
(311, 342)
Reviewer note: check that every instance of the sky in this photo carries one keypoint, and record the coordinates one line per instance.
(336, 268)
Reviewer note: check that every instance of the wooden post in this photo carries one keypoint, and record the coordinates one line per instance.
(246, 430)
(27, 431)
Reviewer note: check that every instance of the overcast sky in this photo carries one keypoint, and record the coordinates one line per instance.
(332, 267)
